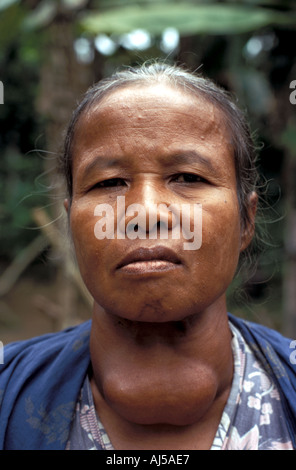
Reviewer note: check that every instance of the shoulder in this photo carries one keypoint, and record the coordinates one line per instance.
(43, 358)
(273, 349)
(40, 380)
(256, 333)
(45, 348)
(277, 354)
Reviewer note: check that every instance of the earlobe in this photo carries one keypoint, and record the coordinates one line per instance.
(249, 230)
(66, 205)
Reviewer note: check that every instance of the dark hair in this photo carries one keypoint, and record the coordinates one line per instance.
(241, 138)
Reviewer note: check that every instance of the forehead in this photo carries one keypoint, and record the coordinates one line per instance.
(147, 116)
(142, 99)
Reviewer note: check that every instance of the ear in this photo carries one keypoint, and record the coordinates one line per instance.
(249, 230)
(66, 205)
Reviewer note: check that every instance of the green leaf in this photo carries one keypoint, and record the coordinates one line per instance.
(74, 4)
(7, 3)
(186, 17)
(41, 16)
(10, 23)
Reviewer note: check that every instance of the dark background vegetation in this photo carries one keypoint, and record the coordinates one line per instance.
(51, 51)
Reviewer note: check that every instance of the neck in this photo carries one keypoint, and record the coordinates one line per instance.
(161, 374)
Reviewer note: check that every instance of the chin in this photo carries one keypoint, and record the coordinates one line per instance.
(154, 310)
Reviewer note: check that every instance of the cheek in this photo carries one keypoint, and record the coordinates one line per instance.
(220, 248)
(87, 248)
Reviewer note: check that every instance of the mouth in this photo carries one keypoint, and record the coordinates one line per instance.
(149, 260)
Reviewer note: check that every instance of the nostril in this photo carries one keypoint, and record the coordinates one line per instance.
(132, 228)
(159, 230)
(161, 225)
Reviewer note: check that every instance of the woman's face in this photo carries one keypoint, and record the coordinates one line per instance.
(153, 145)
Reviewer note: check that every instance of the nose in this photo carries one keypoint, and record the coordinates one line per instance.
(150, 212)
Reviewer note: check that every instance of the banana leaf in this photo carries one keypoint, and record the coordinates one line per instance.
(188, 18)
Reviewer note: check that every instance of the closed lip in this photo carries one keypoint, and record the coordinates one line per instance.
(158, 253)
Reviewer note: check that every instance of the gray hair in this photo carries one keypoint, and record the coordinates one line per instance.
(244, 150)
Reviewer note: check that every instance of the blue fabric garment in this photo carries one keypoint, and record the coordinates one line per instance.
(41, 379)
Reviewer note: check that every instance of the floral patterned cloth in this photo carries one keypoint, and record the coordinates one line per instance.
(253, 417)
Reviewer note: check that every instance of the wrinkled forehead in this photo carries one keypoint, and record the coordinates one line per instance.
(148, 128)
(144, 105)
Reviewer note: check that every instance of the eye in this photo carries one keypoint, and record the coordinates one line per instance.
(188, 178)
(110, 183)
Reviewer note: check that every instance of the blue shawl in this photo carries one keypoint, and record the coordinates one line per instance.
(41, 378)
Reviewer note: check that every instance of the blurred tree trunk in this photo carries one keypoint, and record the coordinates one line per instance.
(63, 81)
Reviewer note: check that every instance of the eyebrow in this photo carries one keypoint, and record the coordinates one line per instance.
(191, 157)
(102, 162)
